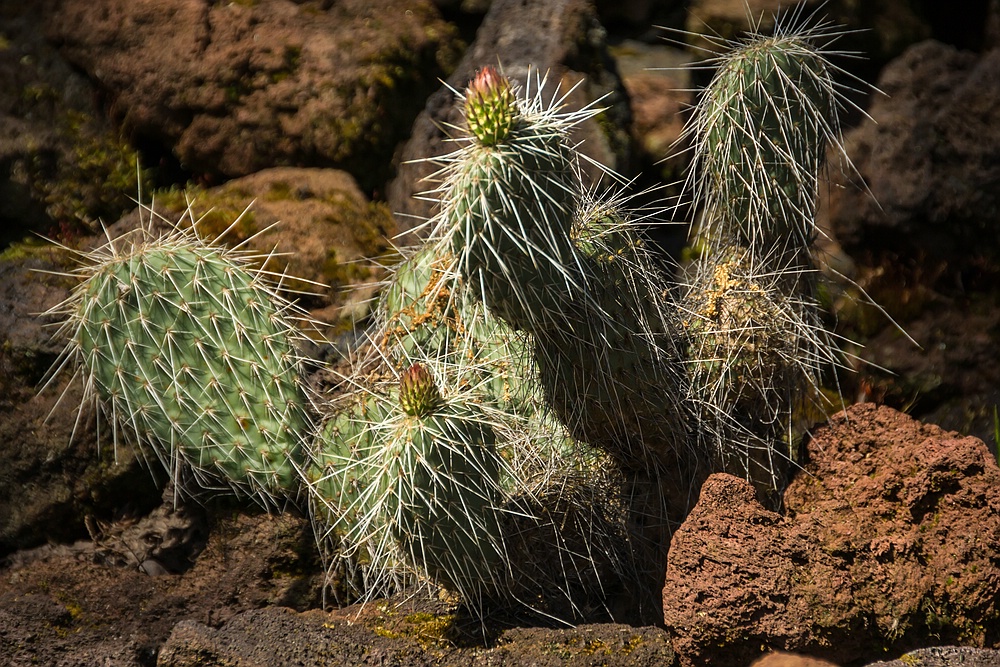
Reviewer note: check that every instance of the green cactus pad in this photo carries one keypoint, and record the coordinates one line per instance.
(761, 133)
(610, 372)
(417, 492)
(507, 209)
(447, 476)
(189, 348)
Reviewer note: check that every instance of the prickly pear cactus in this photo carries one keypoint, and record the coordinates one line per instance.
(190, 350)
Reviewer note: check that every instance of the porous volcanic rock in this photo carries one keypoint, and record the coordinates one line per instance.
(75, 605)
(389, 635)
(919, 220)
(929, 157)
(231, 88)
(890, 541)
(945, 656)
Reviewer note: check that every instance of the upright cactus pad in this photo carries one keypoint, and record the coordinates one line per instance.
(760, 134)
(444, 464)
(191, 350)
(508, 203)
(756, 350)
(416, 483)
(610, 372)
(531, 242)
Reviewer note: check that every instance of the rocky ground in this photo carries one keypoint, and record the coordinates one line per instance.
(888, 542)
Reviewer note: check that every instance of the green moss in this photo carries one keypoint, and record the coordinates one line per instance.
(426, 628)
(278, 191)
(92, 179)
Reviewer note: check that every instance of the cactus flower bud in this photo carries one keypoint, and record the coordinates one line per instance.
(418, 393)
(490, 106)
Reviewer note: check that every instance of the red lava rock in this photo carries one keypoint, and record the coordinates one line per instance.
(890, 541)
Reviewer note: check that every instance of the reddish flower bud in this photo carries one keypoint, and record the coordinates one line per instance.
(418, 393)
(490, 106)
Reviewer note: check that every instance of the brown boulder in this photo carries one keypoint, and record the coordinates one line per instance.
(930, 157)
(890, 541)
(60, 160)
(231, 88)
